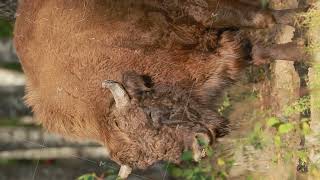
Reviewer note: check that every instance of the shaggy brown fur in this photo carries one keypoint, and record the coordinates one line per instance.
(68, 47)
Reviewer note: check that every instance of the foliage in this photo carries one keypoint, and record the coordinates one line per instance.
(110, 174)
(311, 21)
(273, 131)
(226, 104)
(264, 3)
(315, 84)
(6, 29)
(300, 106)
(257, 138)
(207, 169)
(12, 66)
(88, 177)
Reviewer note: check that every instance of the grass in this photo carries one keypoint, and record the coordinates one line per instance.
(110, 174)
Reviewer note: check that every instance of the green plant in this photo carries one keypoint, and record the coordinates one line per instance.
(257, 138)
(110, 174)
(300, 106)
(6, 29)
(264, 3)
(226, 104)
(91, 176)
(209, 168)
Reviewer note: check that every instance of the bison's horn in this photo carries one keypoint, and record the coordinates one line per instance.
(124, 172)
(120, 95)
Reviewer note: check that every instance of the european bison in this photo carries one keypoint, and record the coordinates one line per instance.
(162, 64)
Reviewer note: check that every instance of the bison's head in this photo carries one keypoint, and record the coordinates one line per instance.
(142, 106)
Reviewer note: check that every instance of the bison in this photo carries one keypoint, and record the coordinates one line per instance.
(142, 77)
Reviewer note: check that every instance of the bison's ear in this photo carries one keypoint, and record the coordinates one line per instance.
(136, 85)
(120, 95)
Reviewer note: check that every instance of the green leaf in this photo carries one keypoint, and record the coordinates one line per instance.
(277, 141)
(288, 155)
(188, 173)
(264, 3)
(112, 177)
(87, 177)
(257, 128)
(176, 172)
(201, 177)
(202, 141)
(187, 156)
(207, 168)
(272, 121)
(285, 128)
(249, 177)
(220, 162)
(303, 155)
(306, 128)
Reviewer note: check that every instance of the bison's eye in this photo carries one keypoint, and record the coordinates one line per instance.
(156, 115)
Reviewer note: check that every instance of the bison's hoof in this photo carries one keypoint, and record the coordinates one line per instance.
(199, 143)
